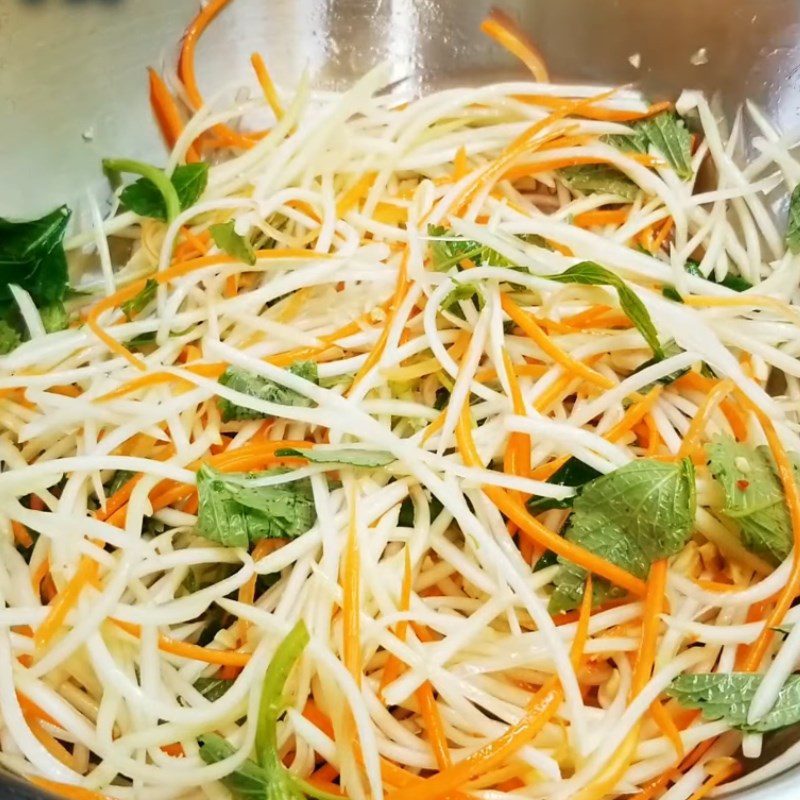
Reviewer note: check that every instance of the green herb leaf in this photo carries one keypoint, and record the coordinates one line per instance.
(631, 517)
(140, 301)
(9, 338)
(670, 348)
(212, 688)
(54, 316)
(671, 293)
(735, 282)
(590, 274)
(236, 513)
(242, 380)
(32, 256)
(462, 291)
(547, 559)
(573, 473)
(754, 498)
(142, 341)
(594, 178)
(121, 477)
(238, 247)
(156, 195)
(727, 696)
(350, 457)
(793, 224)
(447, 250)
(667, 133)
(406, 516)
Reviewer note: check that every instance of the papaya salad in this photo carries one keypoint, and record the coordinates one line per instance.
(406, 447)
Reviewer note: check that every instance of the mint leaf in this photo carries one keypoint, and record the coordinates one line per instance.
(225, 237)
(9, 338)
(594, 178)
(235, 513)
(155, 194)
(350, 457)
(590, 274)
(573, 473)
(793, 224)
(754, 498)
(32, 256)
(447, 250)
(668, 134)
(631, 517)
(727, 696)
(246, 382)
(140, 301)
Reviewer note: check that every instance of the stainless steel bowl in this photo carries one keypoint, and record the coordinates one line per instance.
(73, 86)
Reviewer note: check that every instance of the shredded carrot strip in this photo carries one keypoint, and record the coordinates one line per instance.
(726, 773)
(167, 275)
(193, 652)
(526, 170)
(350, 199)
(668, 727)
(698, 423)
(663, 233)
(791, 589)
(64, 602)
(653, 605)
(186, 71)
(523, 142)
(591, 219)
(397, 300)
(538, 713)
(50, 743)
(21, 535)
(610, 775)
(351, 587)
(434, 726)
(460, 164)
(267, 86)
(518, 451)
(165, 110)
(394, 666)
(596, 112)
(31, 710)
(505, 32)
(327, 772)
(737, 420)
(545, 343)
(531, 527)
(67, 791)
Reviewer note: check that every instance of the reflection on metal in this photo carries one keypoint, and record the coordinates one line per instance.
(73, 86)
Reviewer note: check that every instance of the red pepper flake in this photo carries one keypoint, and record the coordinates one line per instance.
(742, 484)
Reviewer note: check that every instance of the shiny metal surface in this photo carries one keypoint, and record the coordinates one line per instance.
(73, 85)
